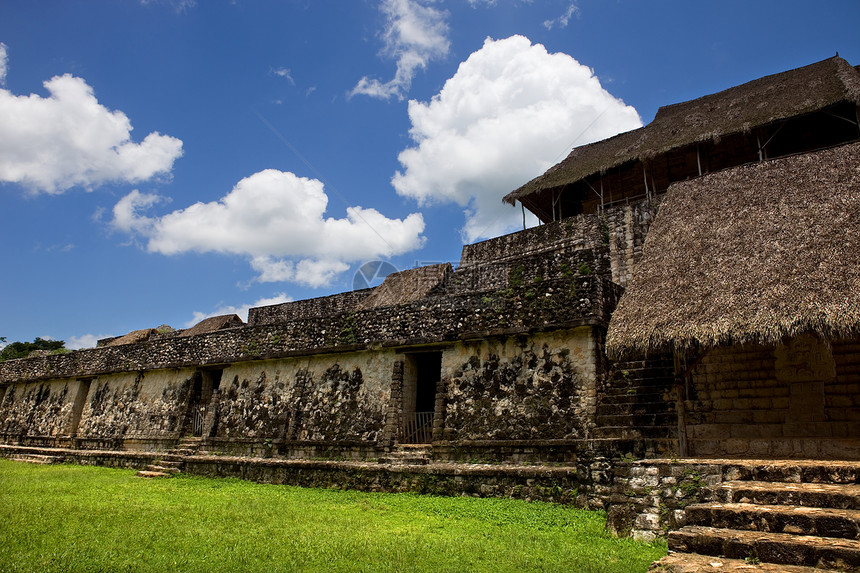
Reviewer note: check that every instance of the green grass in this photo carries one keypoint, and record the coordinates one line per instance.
(75, 518)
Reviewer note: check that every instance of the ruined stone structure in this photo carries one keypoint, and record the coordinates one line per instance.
(726, 234)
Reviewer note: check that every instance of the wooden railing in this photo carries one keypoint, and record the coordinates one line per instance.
(198, 414)
(417, 428)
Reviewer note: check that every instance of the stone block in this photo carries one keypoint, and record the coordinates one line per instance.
(736, 417)
(704, 447)
(644, 536)
(840, 401)
(768, 417)
(736, 446)
(647, 522)
(707, 432)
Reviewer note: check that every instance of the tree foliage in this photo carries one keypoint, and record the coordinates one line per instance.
(23, 349)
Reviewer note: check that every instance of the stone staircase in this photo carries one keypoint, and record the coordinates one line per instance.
(784, 513)
(172, 462)
(37, 459)
(408, 455)
(636, 408)
(188, 446)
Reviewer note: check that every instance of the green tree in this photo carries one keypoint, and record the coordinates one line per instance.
(23, 349)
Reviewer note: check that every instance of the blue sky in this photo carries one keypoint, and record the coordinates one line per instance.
(166, 160)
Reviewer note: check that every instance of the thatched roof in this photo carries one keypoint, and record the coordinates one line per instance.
(749, 254)
(735, 110)
(406, 286)
(212, 324)
(132, 337)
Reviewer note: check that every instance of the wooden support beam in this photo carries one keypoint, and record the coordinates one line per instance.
(699, 160)
(645, 177)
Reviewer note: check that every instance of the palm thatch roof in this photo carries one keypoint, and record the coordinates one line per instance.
(406, 286)
(212, 324)
(132, 337)
(750, 254)
(736, 110)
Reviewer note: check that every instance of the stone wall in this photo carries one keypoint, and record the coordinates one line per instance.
(329, 398)
(38, 408)
(137, 405)
(520, 363)
(562, 250)
(523, 398)
(627, 226)
(582, 299)
(541, 387)
(309, 308)
(796, 400)
(580, 232)
(650, 497)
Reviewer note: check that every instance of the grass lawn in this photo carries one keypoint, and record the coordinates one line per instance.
(75, 518)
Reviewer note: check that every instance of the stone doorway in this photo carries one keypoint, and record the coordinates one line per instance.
(205, 384)
(421, 374)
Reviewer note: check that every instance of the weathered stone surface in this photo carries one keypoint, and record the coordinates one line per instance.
(694, 563)
(821, 521)
(40, 408)
(542, 387)
(769, 547)
(136, 405)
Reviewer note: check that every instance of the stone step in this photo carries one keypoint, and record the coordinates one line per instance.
(836, 496)
(152, 474)
(837, 472)
(408, 454)
(655, 384)
(37, 459)
(161, 468)
(616, 397)
(635, 433)
(824, 522)
(191, 443)
(632, 370)
(783, 548)
(404, 460)
(695, 563)
(633, 407)
(639, 372)
(640, 385)
(638, 420)
(171, 463)
(656, 362)
(638, 448)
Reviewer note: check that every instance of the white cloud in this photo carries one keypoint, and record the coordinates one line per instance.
(415, 33)
(241, 310)
(510, 112)
(277, 220)
(313, 273)
(125, 217)
(180, 6)
(84, 341)
(283, 73)
(4, 64)
(563, 20)
(68, 139)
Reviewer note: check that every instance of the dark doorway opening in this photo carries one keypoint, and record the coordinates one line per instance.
(421, 374)
(205, 384)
